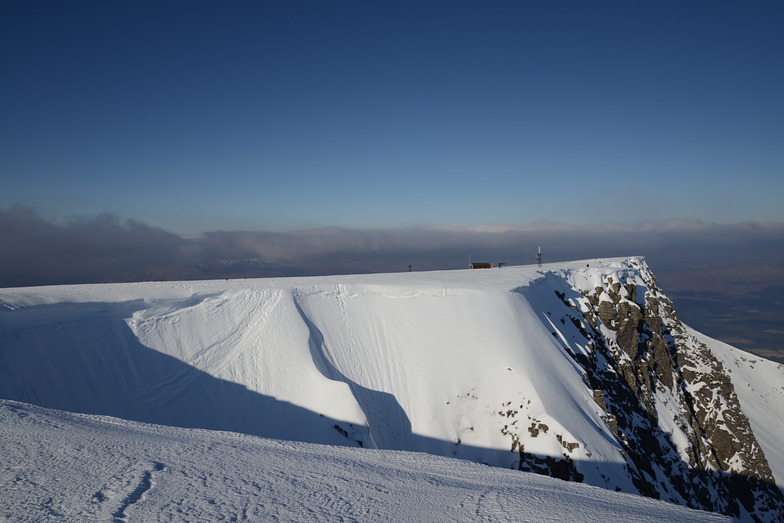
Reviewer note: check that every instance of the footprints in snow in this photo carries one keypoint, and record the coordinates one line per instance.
(124, 490)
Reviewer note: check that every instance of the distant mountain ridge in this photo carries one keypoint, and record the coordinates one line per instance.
(579, 370)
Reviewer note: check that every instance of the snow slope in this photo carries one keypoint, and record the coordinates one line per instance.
(57, 466)
(415, 361)
(466, 364)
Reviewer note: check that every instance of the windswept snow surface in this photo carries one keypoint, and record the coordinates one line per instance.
(58, 466)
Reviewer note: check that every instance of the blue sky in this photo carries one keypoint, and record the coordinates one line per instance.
(278, 116)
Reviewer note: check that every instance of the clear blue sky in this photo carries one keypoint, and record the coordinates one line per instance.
(198, 116)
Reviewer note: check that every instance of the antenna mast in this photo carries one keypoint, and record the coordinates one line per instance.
(539, 257)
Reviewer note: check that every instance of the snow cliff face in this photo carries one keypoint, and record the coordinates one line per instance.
(580, 371)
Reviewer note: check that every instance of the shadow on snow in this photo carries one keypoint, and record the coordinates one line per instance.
(83, 357)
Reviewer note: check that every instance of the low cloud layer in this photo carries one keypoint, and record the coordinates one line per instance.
(99, 248)
(38, 251)
(720, 276)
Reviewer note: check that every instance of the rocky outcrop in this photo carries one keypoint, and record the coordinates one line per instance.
(666, 397)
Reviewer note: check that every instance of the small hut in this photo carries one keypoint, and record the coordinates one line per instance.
(480, 265)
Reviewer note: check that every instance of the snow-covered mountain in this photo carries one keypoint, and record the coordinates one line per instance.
(581, 371)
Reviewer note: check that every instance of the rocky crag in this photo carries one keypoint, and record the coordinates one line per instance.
(666, 397)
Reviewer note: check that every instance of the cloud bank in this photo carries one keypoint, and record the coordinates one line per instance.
(104, 248)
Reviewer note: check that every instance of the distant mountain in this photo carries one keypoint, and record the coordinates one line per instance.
(580, 371)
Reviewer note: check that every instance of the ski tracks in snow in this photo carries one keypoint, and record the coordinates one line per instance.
(222, 327)
(256, 305)
(490, 507)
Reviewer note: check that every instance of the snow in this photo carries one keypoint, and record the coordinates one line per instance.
(670, 421)
(59, 466)
(456, 364)
(397, 353)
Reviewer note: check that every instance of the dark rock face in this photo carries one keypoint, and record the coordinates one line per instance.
(549, 466)
(641, 357)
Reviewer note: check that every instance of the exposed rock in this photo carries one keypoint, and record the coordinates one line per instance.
(636, 354)
(549, 466)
